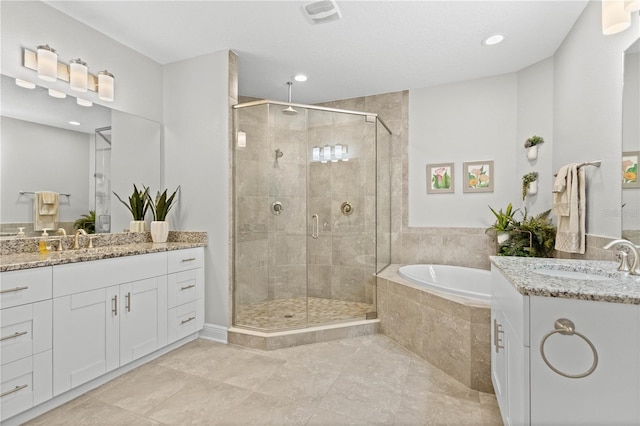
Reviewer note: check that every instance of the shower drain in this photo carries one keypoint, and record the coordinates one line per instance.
(288, 316)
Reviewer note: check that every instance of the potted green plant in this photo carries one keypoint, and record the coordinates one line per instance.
(87, 222)
(159, 209)
(529, 184)
(138, 205)
(503, 224)
(533, 236)
(532, 146)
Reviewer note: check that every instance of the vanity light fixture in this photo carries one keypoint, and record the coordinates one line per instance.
(615, 18)
(84, 102)
(326, 153)
(493, 40)
(105, 86)
(78, 75)
(26, 84)
(315, 153)
(47, 63)
(632, 5)
(57, 94)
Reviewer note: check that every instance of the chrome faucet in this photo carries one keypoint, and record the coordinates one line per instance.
(634, 268)
(75, 241)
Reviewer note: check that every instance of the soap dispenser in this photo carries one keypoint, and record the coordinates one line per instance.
(42, 245)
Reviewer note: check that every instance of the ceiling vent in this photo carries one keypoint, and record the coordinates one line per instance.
(319, 12)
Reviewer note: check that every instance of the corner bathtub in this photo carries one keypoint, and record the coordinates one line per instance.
(455, 280)
(441, 313)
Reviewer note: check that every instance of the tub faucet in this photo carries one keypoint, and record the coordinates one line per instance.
(75, 240)
(634, 268)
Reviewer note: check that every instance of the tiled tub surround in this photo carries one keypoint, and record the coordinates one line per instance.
(452, 333)
(22, 253)
(616, 287)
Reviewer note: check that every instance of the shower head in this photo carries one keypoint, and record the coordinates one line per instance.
(289, 110)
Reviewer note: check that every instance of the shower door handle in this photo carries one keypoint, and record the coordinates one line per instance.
(314, 229)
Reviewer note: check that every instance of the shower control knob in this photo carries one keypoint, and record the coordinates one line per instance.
(277, 208)
(346, 208)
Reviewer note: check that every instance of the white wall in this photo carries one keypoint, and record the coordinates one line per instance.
(196, 117)
(27, 24)
(135, 158)
(42, 158)
(467, 121)
(535, 117)
(588, 112)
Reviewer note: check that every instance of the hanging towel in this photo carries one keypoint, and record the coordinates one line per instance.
(569, 204)
(45, 210)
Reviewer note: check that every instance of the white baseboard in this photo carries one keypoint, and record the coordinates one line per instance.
(214, 332)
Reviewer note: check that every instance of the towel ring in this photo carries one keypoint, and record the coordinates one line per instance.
(566, 327)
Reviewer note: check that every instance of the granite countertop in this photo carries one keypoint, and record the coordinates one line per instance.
(614, 286)
(21, 254)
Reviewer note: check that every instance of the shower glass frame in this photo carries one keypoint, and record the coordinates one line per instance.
(268, 131)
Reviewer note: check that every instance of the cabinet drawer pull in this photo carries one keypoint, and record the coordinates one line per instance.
(187, 287)
(16, 389)
(13, 336)
(128, 304)
(187, 320)
(13, 290)
(114, 308)
(566, 327)
(497, 330)
(190, 259)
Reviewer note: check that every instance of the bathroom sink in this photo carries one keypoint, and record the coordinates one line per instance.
(564, 271)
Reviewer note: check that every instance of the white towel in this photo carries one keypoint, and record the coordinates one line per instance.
(45, 210)
(569, 204)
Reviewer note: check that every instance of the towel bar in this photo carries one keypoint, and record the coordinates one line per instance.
(31, 192)
(596, 163)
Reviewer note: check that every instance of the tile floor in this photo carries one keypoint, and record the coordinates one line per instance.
(357, 381)
(299, 312)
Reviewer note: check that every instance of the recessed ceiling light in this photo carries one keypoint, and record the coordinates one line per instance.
(300, 77)
(494, 39)
(74, 123)
(26, 84)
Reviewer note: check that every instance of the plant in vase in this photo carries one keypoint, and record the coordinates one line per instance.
(532, 145)
(87, 222)
(138, 206)
(159, 209)
(503, 224)
(533, 236)
(529, 184)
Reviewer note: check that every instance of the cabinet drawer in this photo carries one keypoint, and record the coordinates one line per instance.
(25, 383)
(182, 321)
(182, 260)
(86, 276)
(25, 330)
(184, 287)
(26, 286)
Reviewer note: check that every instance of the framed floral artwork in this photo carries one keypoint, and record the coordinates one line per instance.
(478, 176)
(440, 178)
(630, 169)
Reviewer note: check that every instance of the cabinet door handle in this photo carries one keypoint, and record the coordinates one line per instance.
(13, 290)
(190, 259)
(497, 331)
(187, 320)
(16, 389)
(314, 227)
(13, 336)
(187, 287)
(128, 300)
(114, 308)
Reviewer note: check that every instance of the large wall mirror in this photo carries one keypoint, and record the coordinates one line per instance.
(82, 153)
(631, 144)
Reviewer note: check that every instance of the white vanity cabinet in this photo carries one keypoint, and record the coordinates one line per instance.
(25, 340)
(106, 313)
(185, 293)
(528, 389)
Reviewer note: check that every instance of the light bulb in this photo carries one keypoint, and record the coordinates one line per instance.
(105, 86)
(78, 74)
